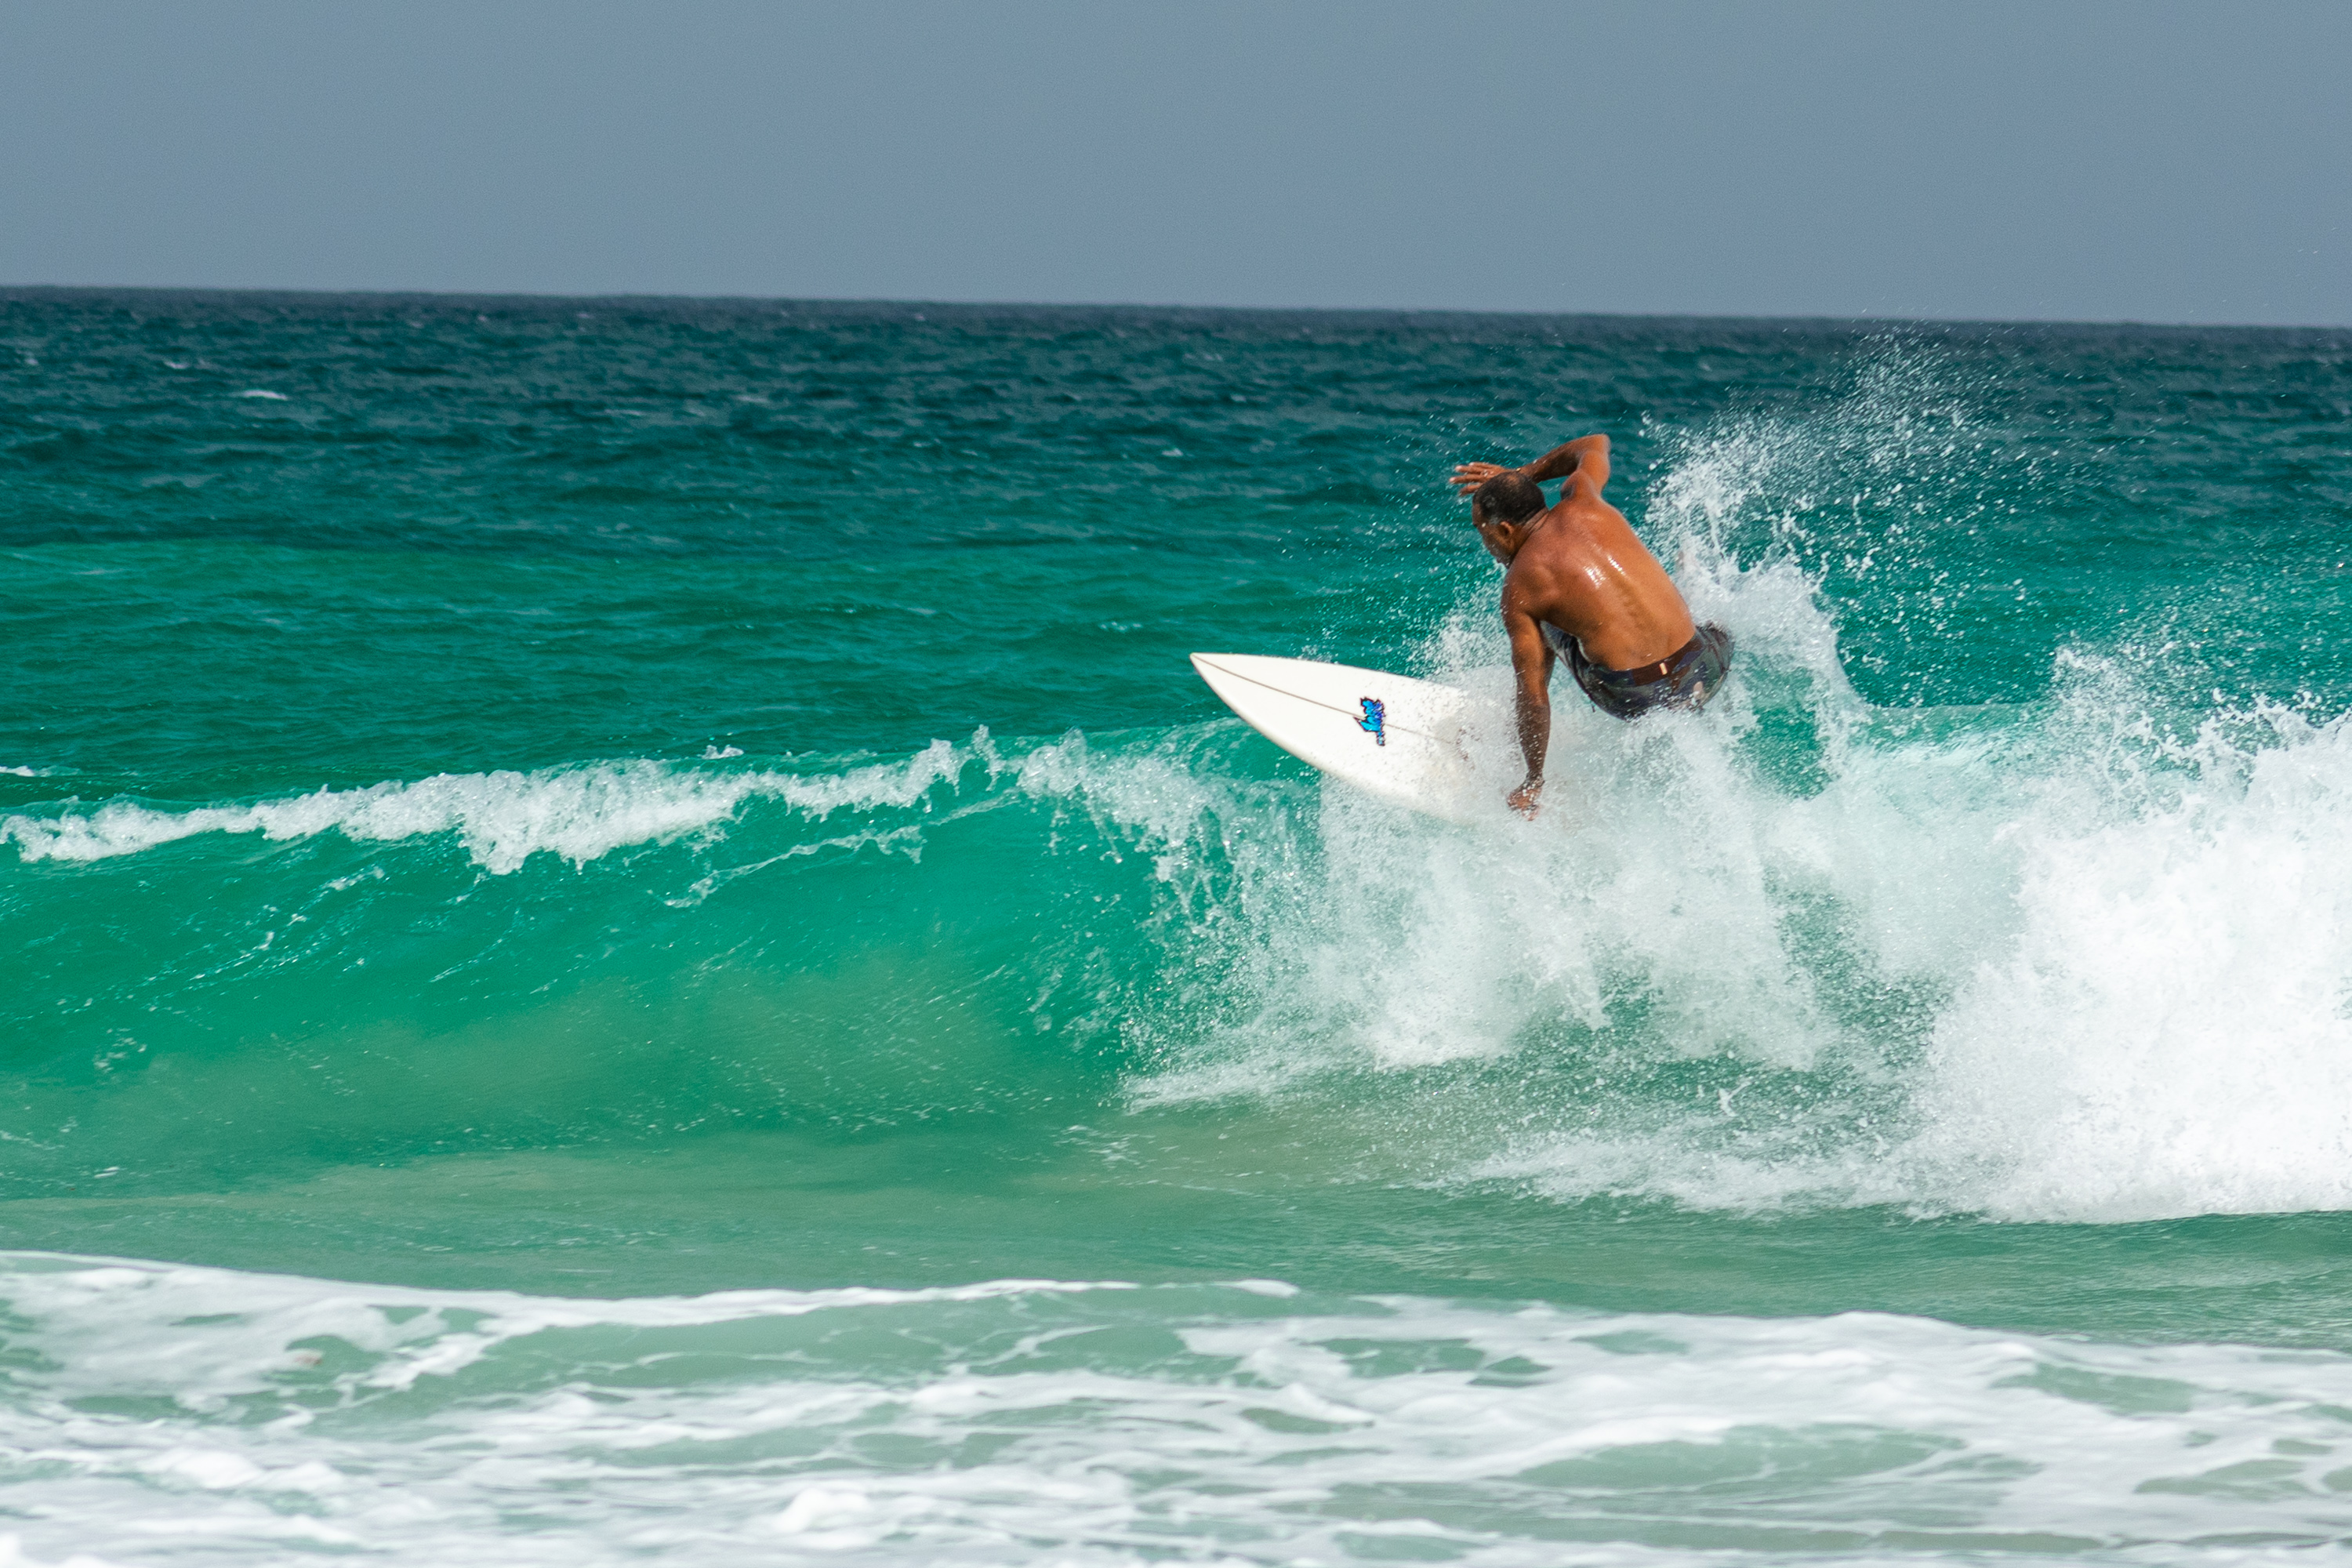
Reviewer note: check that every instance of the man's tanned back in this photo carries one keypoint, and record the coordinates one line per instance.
(1578, 580)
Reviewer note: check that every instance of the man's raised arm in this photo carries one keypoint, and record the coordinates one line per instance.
(1584, 460)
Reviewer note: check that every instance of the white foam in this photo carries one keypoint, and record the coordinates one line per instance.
(2043, 962)
(2134, 1000)
(14, 1555)
(2170, 1029)
(502, 818)
(267, 1416)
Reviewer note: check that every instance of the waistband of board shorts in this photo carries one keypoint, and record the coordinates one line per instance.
(1653, 672)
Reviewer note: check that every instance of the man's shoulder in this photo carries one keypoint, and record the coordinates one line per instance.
(1586, 502)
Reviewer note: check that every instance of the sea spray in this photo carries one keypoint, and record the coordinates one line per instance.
(2011, 959)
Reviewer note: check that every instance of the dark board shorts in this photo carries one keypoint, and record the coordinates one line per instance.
(1685, 678)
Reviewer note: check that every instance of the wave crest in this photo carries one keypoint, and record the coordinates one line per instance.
(502, 818)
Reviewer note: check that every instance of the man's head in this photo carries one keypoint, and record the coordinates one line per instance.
(1501, 510)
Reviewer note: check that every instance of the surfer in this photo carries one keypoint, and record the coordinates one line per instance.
(1581, 586)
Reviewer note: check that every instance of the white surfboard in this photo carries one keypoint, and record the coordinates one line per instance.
(1411, 740)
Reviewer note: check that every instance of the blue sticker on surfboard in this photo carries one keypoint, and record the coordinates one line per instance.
(1411, 743)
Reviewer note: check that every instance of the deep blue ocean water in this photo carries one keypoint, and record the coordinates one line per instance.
(624, 936)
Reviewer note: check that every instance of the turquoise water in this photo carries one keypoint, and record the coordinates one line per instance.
(627, 938)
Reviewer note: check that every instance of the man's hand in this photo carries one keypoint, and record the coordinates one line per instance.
(1470, 476)
(1524, 798)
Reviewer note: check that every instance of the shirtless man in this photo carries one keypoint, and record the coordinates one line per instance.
(1580, 585)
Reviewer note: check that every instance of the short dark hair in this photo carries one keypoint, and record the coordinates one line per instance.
(1507, 497)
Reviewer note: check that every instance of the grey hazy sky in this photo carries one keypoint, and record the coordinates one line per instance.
(2057, 159)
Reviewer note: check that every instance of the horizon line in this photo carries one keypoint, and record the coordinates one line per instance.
(9, 290)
